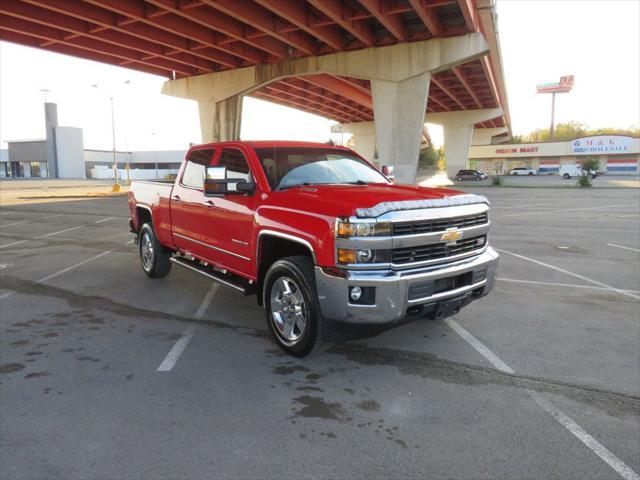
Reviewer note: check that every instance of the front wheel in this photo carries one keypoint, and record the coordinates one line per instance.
(459, 179)
(566, 176)
(292, 309)
(154, 258)
(530, 173)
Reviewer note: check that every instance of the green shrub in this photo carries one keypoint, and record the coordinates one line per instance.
(584, 180)
(496, 180)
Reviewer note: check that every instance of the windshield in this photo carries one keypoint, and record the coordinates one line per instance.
(287, 167)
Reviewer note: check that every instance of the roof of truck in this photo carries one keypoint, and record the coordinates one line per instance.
(272, 143)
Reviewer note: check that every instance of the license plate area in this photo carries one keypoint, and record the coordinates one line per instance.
(447, 308)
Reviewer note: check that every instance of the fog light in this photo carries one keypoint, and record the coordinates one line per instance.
(355, 293)
(364, 256)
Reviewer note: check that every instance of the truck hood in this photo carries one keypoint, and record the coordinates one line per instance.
(348, 200)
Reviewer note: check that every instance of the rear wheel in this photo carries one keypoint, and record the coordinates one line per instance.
(154, 258)
(292, 309)
(459, 179)
(566, 176)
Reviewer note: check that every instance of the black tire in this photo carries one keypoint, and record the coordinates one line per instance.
(515, 174)
(459, 179)
(299, 270)
(478, 179)
(155, 263)
(530, 173)
(566, 176)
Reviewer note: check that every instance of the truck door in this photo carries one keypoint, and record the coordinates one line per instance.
(230, 219)
(189, 205)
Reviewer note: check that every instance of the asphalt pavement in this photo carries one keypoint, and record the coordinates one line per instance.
(539, 380)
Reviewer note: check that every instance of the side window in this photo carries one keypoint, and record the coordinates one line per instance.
(236, 163)
(198, 160)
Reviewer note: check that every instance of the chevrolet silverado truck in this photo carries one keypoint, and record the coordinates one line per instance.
(331, 247)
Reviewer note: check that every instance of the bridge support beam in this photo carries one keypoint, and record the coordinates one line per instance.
(458, 132)
(398, 110)
(400, 75)
(364, 135)
(484, 136)
(220, 121)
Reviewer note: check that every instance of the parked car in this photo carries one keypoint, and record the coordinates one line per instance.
(470, 175)
(573, 171)
(330, 247)
(523, 171)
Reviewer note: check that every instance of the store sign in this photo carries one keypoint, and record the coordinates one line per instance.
(601, 144)
(516, 150)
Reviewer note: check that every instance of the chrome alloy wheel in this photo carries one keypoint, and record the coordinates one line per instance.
(146, 251)
(288, 310)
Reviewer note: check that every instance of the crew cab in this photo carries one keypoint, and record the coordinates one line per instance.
(331, 248)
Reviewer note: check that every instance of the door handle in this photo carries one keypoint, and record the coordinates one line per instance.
(176, 198)
(209, 203)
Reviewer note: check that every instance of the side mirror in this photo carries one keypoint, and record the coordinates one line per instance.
(387, 171)
(217, 184)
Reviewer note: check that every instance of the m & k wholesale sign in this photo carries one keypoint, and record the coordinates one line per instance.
(601, 144)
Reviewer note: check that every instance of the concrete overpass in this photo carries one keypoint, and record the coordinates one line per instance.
(379, 67)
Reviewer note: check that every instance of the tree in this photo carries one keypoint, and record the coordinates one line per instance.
(565, 132)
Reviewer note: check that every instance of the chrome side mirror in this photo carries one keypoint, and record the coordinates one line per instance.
(217, 184)
(387, 171)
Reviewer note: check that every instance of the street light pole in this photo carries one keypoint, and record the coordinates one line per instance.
(116, 185)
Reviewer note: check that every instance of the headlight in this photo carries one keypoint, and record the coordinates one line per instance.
(348, 229)
(348, 256)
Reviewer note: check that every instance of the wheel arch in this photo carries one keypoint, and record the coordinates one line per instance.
(273, 246)
(143, 214)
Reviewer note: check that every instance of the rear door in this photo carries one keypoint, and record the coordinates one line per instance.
(189, 205)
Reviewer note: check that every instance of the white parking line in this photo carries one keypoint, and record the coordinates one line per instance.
(12, 224)
(624, 248)
(576, 275)
(42, 236)
(548, 212)
(562, 418)
(176, 351)
(13, 243)
(28, 221)
(64, 270)
(105, 219)
(554, 284)
(58, 232)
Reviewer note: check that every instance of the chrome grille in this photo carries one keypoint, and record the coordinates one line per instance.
(439, 224)
(435, 251)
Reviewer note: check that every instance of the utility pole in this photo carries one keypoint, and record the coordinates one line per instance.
(553, 112)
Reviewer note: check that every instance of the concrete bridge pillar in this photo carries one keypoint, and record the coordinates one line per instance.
(364, 135)
(398, 110)
(458, 132)
(220, 121)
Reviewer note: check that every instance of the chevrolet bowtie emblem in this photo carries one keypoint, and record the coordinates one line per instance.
(452, 235)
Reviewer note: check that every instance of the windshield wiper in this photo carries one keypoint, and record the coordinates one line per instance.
(303, 184)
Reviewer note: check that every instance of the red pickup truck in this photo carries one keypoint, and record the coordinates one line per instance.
(330, 246)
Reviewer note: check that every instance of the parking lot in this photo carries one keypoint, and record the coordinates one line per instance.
(105, 373)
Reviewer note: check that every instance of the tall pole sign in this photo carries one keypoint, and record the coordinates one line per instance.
(563, 86)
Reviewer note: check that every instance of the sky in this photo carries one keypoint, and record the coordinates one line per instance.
(541, 40)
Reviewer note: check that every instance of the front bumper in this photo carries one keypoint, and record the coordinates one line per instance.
(399, 293)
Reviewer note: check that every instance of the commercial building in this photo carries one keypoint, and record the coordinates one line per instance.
(617, 154)
(59, 155)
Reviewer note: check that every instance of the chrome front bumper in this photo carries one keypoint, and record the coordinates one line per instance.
(392, 289)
